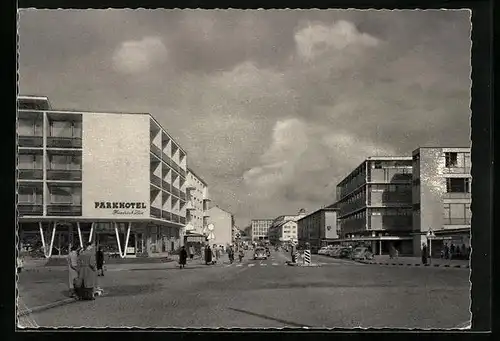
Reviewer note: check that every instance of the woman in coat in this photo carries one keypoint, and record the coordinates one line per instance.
(72, 269)
(208, 255)
(87, 268)
(182, 257)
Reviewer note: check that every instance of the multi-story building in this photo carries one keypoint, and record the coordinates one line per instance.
(198, 203)
(441, 197)
(222, 222)
(284, 228)
(118, 179)
(260, 228)
(318, 228)
(375, 204)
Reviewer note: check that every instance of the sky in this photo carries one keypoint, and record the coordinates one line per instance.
(274, 108)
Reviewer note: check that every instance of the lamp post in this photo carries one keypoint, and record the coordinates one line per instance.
(430, 235)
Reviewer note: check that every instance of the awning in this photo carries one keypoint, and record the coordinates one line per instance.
(366, 239)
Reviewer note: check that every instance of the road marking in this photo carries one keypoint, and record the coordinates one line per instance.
(251, 264)
(239, 264)
(263, 264)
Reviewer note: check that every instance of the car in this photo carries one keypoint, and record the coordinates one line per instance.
(361, 253)
(345, 252)
(259, 253)
(268, 252)
(323, 251)
(333, 252)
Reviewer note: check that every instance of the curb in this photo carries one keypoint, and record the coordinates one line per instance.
(416, 264)
(64, 267)
(46, 306)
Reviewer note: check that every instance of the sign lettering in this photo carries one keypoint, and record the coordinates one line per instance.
(122, 208)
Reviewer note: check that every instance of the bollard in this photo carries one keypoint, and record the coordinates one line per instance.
(307, 257)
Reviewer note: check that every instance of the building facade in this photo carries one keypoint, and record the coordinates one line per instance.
(441, 197)
(259, 229)
(116, 179)
(223, 222)
(284, 229)
(375, 204)
(198, 203)
(318, 228)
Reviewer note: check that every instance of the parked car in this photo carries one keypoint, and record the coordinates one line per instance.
(334, 251)
(259, 253)
(323, 251)
(361, 253)
(344, 252)
(268, 252)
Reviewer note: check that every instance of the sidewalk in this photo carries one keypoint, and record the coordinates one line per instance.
(417, 261)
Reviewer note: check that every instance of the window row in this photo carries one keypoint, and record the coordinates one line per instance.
(34, 127)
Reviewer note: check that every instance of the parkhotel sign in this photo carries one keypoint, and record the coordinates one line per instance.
(122, 208)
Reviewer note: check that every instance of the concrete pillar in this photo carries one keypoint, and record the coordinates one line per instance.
(380, 247)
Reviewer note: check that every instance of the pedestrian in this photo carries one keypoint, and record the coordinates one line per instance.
(463, 251)
(452, 251)
(182, 257)
(424, 254)
(446, 251)
(99, 258)
(86, 273)
(217, 253)
(208, 255)
(191, 252)
(72, 270)
(214, 254)
(241, 255)
(230, 253)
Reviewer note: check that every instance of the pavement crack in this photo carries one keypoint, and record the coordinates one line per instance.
(288, 323)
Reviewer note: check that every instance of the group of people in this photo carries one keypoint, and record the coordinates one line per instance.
(84, 265)
(210, 255)
(454, 251)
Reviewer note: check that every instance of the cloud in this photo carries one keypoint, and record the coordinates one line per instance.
(315, 39)
(135, 56)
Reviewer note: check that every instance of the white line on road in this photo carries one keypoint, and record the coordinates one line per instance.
(263, 264)
(239, 264)
(251, 264)
(275, 264)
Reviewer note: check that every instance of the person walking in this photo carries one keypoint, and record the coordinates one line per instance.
(214, 254)
(424, 254)
(86, 273)
(191, 252)
(182, 257)
(99, 258)
(72, 270)
(208, 255)
(241, 255)
(230, 253)
(217, 253)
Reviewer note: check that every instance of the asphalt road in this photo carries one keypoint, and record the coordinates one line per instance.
(269, 294)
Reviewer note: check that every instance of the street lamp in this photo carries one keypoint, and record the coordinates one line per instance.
(430, 235)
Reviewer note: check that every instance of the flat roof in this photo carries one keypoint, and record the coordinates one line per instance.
(190, 170)
(327, 209)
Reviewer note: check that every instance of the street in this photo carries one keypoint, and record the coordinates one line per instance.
(266, 294)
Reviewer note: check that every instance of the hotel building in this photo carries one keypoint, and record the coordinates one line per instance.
(259, 228)
(198, 203)
(375, 204)
(318, 228)
(441, 197)
(118, 179)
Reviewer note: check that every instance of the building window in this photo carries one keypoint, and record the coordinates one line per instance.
(26, 195)
(458, 185)
(451, 159)
(64, 195)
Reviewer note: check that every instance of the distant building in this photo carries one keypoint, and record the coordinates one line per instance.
(223, 226)
(284, 228)
(375, 204)
(441, 197)
(259, 229)
(318, 228)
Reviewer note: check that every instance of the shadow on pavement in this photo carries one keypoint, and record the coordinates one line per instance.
(288, 323)
(128, 290)
(171, 269)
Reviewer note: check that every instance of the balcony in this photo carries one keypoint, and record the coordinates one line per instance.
(182, 220)
(156, 151)
(64, 142)
(64, 210)
(165, 185)
(175, 218)
(30, 209)
(166, 215)
(155, 180)
(63, 174)
(30, 141)
(182, 195)
(182, 172)
(457, 195)
(175, 191)
(190, 206)
(167, 159)
(456, 170)
(457, 221)
(30, 174)
(155, 212)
